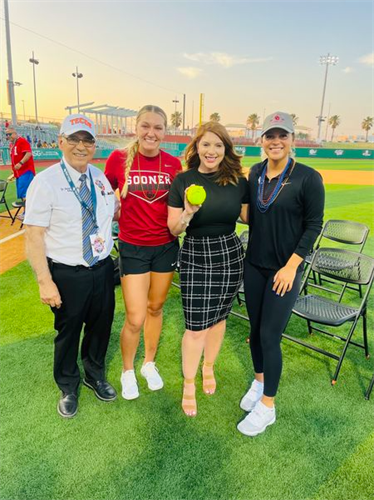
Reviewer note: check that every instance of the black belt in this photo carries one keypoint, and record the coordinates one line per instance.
(57, 265)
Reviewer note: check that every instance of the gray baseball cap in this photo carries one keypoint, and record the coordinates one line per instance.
(278, 120)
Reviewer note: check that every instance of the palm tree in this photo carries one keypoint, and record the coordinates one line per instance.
(366, 124)
(252, 121)
(334, 122)
(176, 119)
(295, 119)
(215, 117)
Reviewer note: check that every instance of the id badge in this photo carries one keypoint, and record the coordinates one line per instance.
(97, 244)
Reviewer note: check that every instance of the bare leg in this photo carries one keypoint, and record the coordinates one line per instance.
(135, 289)
(213, 345)
(159, 287)
(192, 348)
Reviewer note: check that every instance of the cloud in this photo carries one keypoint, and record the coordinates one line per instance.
(190, 72)
(368, 59)
(348, 69)
(222, 59)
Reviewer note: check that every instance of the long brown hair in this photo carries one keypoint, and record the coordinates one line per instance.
(230, 169)
(132, 148)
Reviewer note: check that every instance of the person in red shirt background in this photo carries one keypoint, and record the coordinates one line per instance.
(22, 163)
(148, 251)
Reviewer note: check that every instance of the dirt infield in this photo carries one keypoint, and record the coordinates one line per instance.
(12, 244)
(355, 177)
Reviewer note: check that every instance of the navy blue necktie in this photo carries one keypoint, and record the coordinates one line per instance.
(88, 225)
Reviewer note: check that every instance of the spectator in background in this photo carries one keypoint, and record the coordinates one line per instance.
(6, 124)
(28, 138)
(45, 144)
(22, 164)
(39, 144)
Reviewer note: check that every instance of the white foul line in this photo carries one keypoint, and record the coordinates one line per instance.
(4, 240)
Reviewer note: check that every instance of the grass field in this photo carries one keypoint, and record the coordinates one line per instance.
(321, 448)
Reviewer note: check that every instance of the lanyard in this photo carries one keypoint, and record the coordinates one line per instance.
(77, 193)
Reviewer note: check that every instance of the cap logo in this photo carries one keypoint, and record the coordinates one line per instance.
(75, 121)
(276, 119)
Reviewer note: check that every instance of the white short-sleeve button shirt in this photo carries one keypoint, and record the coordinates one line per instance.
(51, 203)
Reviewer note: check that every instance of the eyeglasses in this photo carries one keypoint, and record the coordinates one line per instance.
(8, 134)
(73, 140)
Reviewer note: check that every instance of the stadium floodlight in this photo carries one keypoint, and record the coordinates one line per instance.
(325, 61)
(34, 63)
(77, 75)
(175, 101)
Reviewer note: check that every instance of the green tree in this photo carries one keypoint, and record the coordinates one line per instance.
(367, 124)
(252, 121)
(334, 122)
(176, 119)
(215, 117)
(295, 119)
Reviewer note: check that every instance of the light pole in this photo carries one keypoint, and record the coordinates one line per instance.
(77, 75)
(175, 101)
(10, 83)
(325, 60)
(34, 63)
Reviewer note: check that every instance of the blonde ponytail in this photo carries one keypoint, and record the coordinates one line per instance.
(131, 151)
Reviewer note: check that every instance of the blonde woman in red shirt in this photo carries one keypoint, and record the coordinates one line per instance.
(148, 251)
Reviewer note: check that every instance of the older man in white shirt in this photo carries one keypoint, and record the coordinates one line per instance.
(70, 208)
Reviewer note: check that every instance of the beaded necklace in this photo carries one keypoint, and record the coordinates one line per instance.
(264, 204)
(146, 195)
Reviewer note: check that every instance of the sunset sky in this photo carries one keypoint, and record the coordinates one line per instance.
(246, 57)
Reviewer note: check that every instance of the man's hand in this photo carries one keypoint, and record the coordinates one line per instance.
(49, 293)
(17, 166)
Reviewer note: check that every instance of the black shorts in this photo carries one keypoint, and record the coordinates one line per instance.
(135, 259)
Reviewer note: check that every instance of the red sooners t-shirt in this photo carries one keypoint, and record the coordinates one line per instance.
(143, 219)
(17, 152)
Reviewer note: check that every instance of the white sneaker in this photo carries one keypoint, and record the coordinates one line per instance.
(129, 385)
(254, 394)
(257, 421)
(150, 373)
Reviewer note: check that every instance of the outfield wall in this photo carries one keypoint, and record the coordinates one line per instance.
(177, 149)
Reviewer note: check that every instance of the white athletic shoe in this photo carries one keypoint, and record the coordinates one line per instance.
(129, 385)
(254, 394)
(257, 421)
(150, 373)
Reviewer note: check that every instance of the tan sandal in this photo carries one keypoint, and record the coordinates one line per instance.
(189, 400)
(209, 381)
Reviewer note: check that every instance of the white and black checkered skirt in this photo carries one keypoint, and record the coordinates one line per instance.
(211, 272)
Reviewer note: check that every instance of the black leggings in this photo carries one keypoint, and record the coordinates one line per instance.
(268, 315)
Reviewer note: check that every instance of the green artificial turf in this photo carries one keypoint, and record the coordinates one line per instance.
(147, 449)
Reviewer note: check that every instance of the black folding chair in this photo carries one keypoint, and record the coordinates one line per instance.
(370, 388)
(345, 232)
(347, 268)
(115, 254)
(244, 240)
(3, 188)
(19, 205)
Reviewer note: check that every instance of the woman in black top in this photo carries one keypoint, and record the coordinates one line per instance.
(285, 218)
(211, 258)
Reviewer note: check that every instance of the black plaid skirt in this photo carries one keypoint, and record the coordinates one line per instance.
(211, 272)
